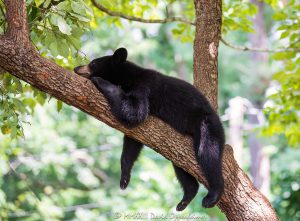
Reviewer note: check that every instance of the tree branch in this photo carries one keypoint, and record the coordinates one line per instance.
(137, 19)
(262, 50)
(185, 21)
(17, 28)
(240, 201)
(206, 44)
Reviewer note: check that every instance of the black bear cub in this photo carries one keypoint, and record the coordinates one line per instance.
(134, 92)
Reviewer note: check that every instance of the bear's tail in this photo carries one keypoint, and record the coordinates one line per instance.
(209, 155)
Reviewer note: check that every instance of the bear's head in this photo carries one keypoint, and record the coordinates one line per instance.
(103, 67)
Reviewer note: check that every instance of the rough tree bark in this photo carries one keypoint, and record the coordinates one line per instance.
(206, 43)
(241, 200)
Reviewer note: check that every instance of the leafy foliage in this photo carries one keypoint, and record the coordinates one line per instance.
(236, 16)
(55, 28)
(284, 113)
(15, 102)
(286, 187)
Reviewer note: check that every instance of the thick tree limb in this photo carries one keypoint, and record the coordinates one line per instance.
(241, 200)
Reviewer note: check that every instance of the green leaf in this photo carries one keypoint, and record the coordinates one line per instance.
(63, 26)
(284, 55)
(284, 34)
(53, 19)
(14, 132)
(19, 104)
(54, 48)
(41, 98)
(50, 38)
(19, 87)
(253, 9)
(282, 27)
(77, 33)
(38, 2)
(59, 105)
(279, 16)
(63, 6)
(30, 102)
(47, 3)
(75, 42)
(78, 8)
(64, 49)
(290, 65)
(80, 17)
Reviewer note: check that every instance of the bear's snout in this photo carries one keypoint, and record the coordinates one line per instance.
(83, 71)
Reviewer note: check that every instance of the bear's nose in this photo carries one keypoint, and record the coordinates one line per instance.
(76, 69)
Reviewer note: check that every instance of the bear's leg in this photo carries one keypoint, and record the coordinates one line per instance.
(131, 151)
(111, 92)
(208, 146)
(189, 185)
(130, 108)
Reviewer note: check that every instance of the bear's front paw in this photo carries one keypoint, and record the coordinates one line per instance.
(100, 83)
(96, 80)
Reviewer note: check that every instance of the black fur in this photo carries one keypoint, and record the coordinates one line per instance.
(131, 151)
(134, 92)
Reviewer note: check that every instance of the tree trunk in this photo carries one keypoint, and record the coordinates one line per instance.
(260, 162)
(259, 38)
(206, 43)
(241, 200)
(249, 204)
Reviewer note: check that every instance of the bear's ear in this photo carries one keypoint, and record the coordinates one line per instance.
(120, 55)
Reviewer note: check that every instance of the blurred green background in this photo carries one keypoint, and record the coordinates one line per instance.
(57, 163)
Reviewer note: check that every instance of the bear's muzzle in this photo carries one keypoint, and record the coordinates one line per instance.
(83, 71)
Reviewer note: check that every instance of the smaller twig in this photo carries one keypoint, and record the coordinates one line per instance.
(133, 18)
(24, 178)
(263, 50)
